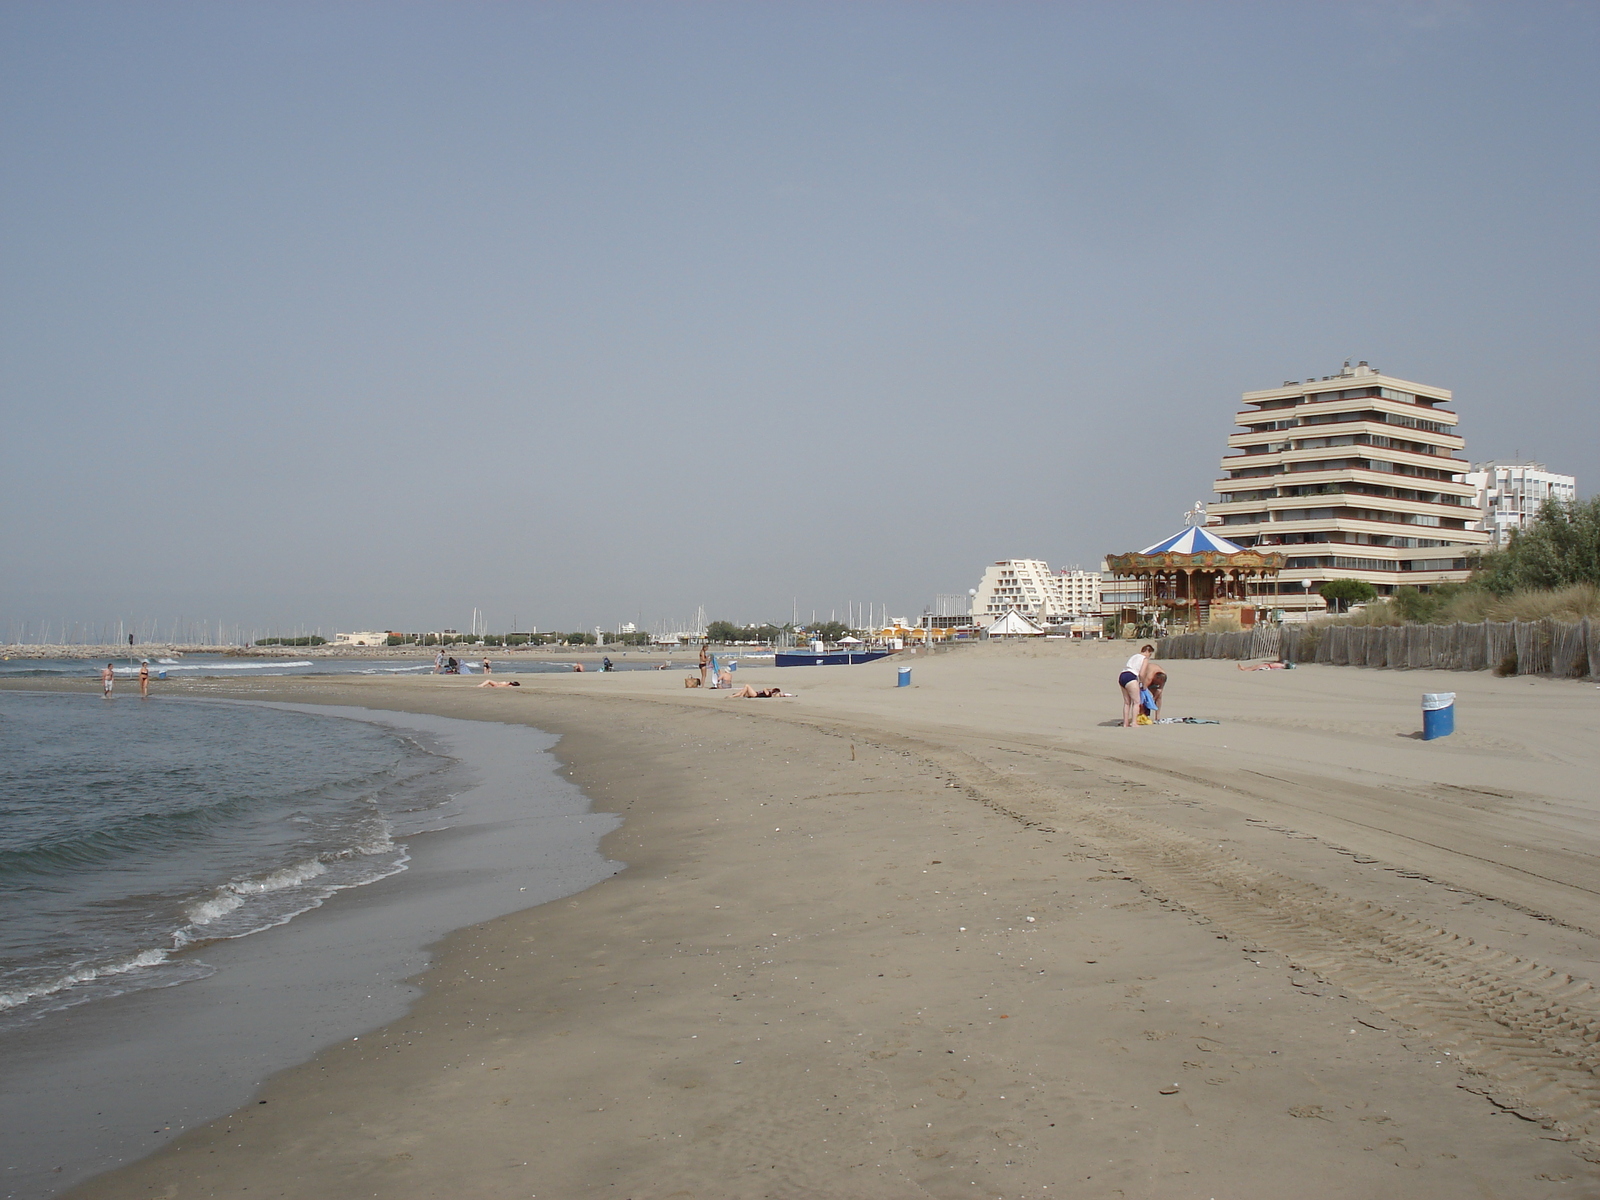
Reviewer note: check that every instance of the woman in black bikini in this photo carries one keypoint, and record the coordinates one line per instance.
(1129, 682)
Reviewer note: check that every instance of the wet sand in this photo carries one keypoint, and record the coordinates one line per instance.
(963, 939)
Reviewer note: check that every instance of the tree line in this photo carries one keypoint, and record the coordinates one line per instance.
(553, 638)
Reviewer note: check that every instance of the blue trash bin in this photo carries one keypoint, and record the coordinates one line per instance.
(1438, 715)
(905, 677)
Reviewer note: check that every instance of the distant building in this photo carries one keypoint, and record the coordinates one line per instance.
(1080, 591)
(1029, 587)
(1508, 495)
(1118, 593)
(1353, 475)
(361, 639)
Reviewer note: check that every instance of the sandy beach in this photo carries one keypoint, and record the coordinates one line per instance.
(968, 938)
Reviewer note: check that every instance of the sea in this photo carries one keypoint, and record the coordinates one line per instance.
(195, 893)
(130, 831)
(222, 666)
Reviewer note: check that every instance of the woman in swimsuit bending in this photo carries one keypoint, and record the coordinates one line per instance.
(1129, 682)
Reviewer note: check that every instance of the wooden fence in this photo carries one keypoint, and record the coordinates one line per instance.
(1563, 649)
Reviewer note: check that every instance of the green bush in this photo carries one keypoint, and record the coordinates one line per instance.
(1415, 607)
(727, 631)
(1560, 548)
(1345, 592)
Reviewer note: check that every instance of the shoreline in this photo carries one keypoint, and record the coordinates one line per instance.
(108, 1081)
(89, 653)
(607, 1041)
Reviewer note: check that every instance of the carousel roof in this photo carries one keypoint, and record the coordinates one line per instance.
(1194, 540)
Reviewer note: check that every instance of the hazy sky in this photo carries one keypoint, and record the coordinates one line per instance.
(363, 315)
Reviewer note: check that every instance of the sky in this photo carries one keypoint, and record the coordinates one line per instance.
(367, 315)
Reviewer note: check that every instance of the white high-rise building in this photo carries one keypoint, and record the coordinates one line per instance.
(1353, 475)
(1510, 494)
(1080, 591)
(1030, 587)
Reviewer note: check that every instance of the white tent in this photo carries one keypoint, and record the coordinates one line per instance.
(1014, 624)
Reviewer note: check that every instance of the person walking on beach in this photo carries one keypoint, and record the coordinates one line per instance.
(486, 666)
(144, 680)
(705, 662)
(1130, 681)
(107, 678)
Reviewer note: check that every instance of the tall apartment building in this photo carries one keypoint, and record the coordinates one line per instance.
(1508, 495)
(1355, 475)
(1028, 586)
(1080, 591)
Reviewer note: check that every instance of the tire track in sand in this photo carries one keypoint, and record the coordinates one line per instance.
(1532, 1035)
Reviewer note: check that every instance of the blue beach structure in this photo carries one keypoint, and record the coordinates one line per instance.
(1182, 576)
(1194, 540)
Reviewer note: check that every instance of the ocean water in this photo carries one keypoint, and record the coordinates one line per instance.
(132, 830)
(195, 894)
(219, 666)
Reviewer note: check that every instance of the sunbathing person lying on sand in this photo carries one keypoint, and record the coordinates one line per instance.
(1268, 666)
(751, 693)
(499, 683)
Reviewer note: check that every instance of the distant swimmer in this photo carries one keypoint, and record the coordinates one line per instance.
(107, 678)
(500, 683)
(144, 680)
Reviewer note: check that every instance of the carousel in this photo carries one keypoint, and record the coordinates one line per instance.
(1192, 573)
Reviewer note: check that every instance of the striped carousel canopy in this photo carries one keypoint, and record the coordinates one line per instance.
(1194, 540)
